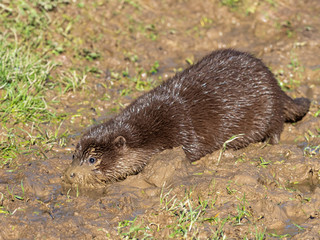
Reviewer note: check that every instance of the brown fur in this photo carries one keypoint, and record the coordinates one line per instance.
(226, 93)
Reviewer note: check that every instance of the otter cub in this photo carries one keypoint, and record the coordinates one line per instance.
(226, 93)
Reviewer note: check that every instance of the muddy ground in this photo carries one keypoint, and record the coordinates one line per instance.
(130, 46)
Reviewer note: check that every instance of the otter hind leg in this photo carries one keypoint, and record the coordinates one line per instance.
(274, 139)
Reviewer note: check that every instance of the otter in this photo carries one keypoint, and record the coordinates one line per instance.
(226, 93)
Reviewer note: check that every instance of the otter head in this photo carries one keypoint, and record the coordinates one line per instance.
(99, 160)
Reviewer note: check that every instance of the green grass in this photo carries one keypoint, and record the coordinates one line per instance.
(231, 3)
(72, 81)
(225, 144)
(291, 78)
(137, 81)
(23, 81)
(133, 229)
(23, 78)
(15, 196)
(28, 123)
(22, 21)
(187, 217)
(186, 214)
(242, 210)
(30, 139)
(27, 23)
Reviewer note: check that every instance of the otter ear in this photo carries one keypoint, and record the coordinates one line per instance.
(119, 142)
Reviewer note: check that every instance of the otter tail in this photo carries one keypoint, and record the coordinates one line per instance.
(295, 109)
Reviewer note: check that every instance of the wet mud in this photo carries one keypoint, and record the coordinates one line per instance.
(271, 190)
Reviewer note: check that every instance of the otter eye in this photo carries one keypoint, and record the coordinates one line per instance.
(73, 157)
(92, 160)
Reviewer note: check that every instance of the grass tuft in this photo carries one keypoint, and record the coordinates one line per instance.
(22, 84)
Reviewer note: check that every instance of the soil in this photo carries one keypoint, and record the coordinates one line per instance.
(268, 189)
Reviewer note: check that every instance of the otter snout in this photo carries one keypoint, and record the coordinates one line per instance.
(70, 175)
(83, 175)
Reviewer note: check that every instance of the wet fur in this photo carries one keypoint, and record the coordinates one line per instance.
(226, 93)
